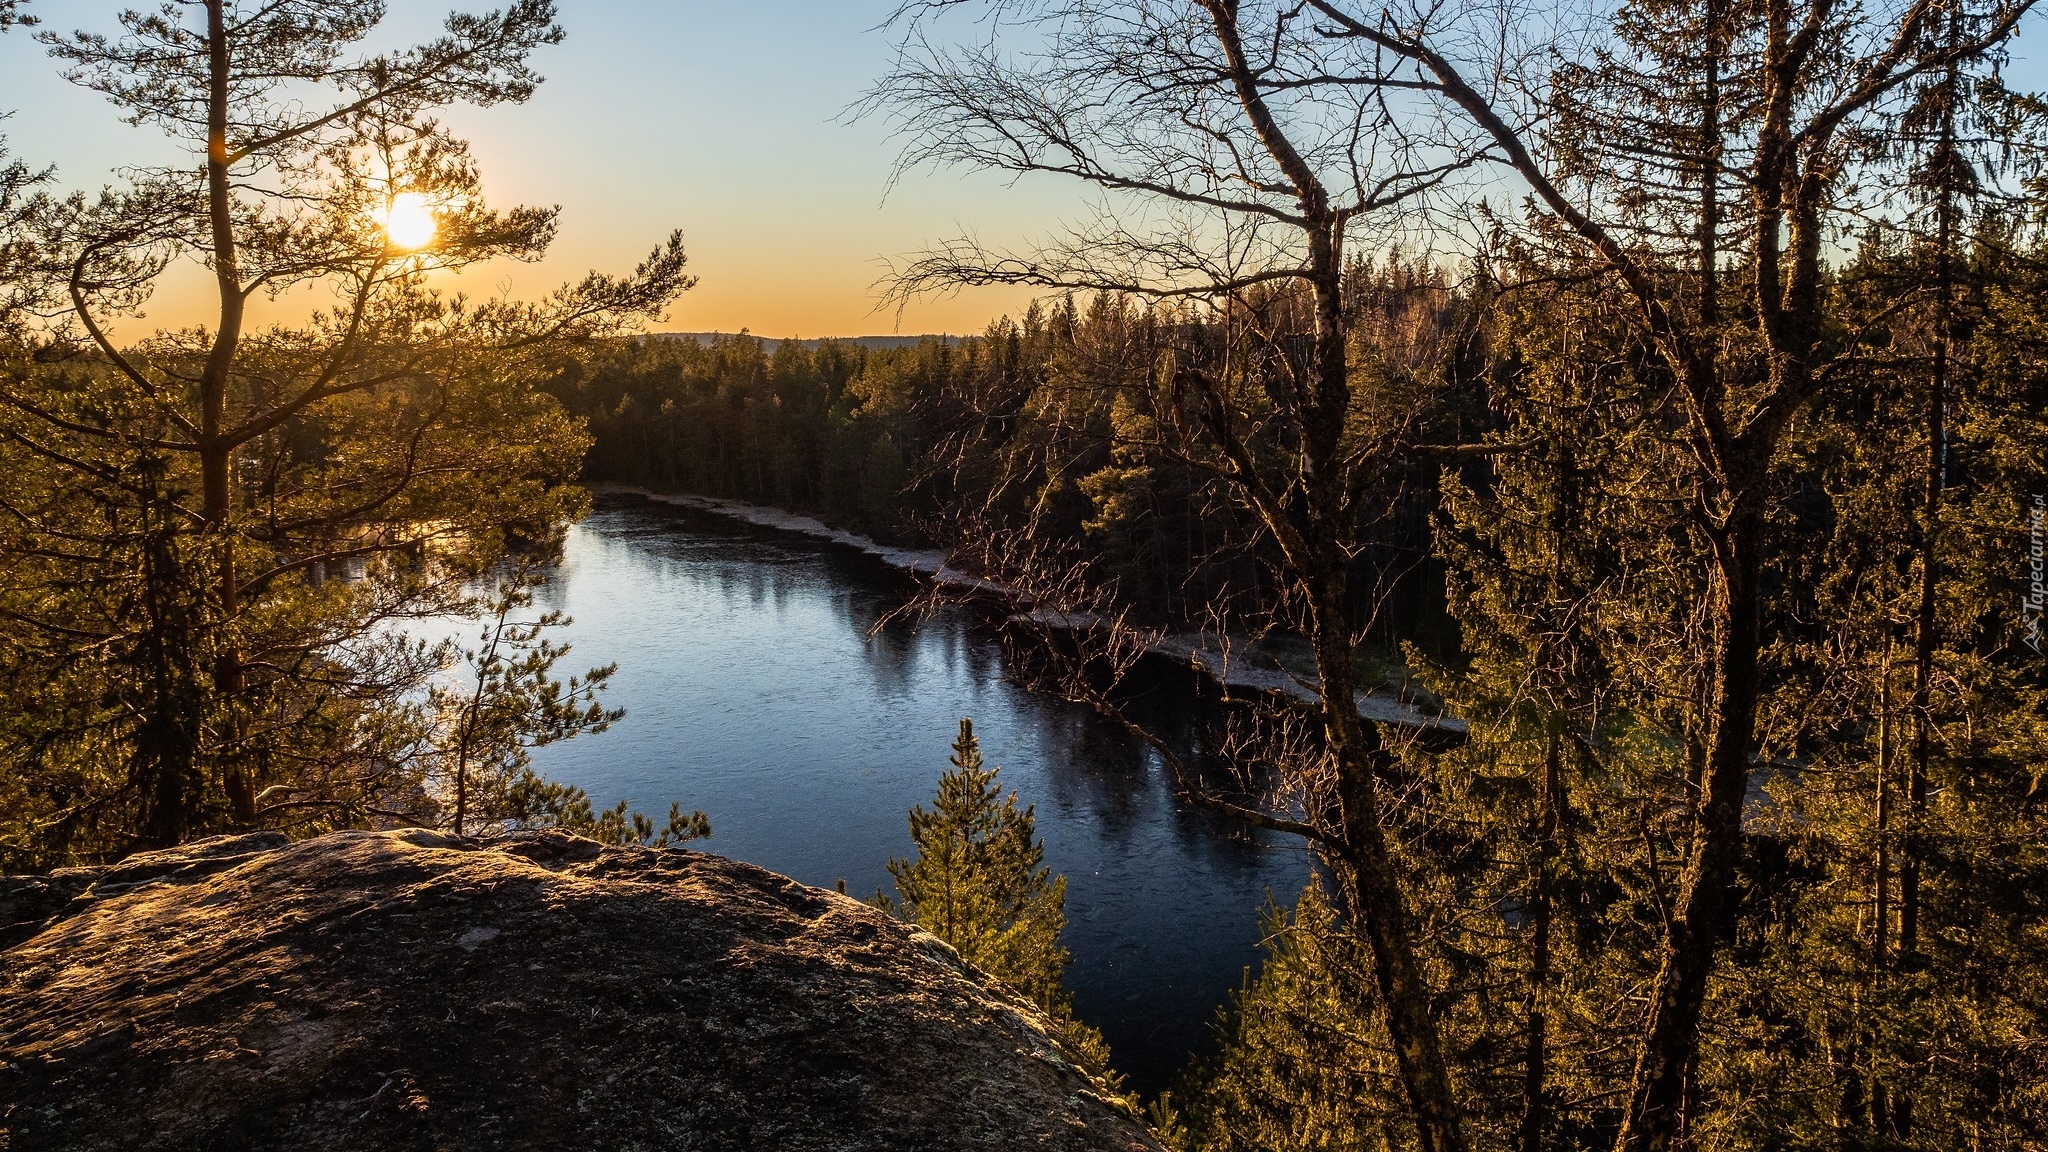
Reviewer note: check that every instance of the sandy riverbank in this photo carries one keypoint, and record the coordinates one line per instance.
(1207, 654)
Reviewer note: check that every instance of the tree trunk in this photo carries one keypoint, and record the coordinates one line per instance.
(1882, 897)
(1372, 889)
(1535, 1057)
(1927, 626)
(1378, 905)
(1927, 630)
(216, 452)
(165, 761)
(1672, 1033)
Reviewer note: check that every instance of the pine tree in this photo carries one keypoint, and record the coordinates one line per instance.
(1304, 1060)
(979, 882)
(178, 504)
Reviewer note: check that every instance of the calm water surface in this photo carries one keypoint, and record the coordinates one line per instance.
(757, 689)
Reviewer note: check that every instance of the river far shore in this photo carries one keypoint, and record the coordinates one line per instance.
(1215, 658)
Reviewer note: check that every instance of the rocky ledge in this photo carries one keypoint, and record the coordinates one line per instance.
(410, 990)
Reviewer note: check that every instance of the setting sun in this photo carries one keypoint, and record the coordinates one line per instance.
(409, 222)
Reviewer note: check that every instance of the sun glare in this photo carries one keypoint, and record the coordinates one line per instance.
(409, 222)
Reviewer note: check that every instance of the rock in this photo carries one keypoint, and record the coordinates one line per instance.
(27, 902)
(411, 990)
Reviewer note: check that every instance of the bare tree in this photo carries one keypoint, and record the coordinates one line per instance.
(1240, 163)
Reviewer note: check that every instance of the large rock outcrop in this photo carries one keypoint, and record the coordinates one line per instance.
(409, 990)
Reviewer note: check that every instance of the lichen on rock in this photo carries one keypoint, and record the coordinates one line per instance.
(411, 990)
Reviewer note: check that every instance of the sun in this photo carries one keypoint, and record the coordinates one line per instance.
(409, 223)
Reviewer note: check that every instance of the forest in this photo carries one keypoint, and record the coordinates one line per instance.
(1661, 389)
(1888, 823)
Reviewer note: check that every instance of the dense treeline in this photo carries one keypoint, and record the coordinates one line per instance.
(1032, 423)
(1879, 982)
(832, 429)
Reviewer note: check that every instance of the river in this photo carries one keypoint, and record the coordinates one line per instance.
(757, 688)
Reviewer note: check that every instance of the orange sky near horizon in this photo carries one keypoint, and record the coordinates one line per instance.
(727, 121)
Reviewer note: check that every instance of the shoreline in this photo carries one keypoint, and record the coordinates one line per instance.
(1192, 650)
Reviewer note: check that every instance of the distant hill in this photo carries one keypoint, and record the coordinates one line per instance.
(771, 344)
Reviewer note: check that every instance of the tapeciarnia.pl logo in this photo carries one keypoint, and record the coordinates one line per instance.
(2036, 600)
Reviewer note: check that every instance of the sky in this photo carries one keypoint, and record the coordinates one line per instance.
(725, 118)
(728, 119)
